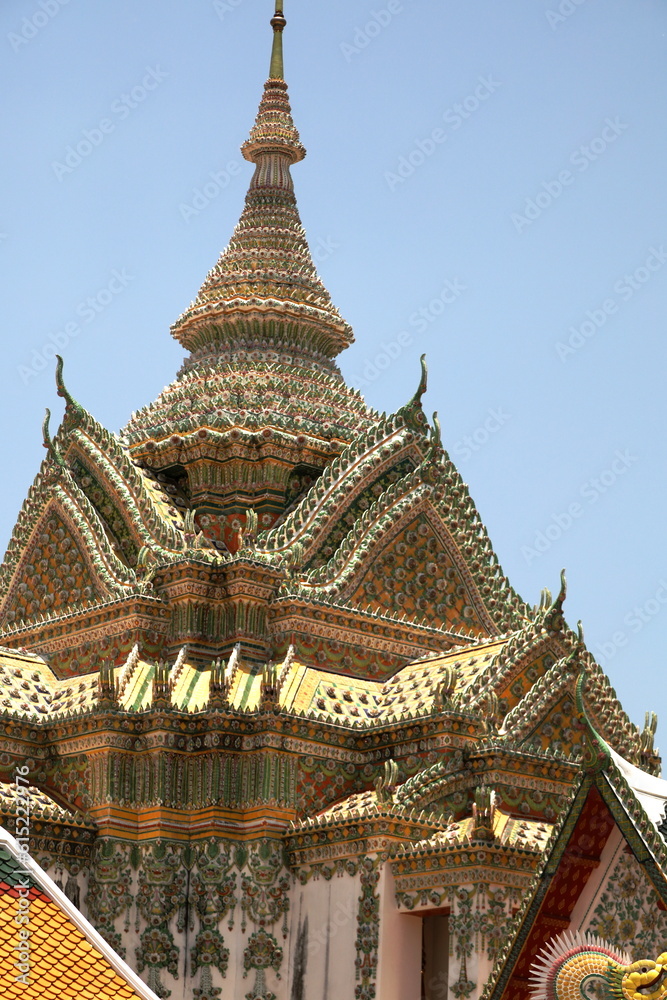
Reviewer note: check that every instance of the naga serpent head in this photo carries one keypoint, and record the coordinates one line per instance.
(641, 980)
(581, 967)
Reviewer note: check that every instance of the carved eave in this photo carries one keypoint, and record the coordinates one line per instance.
(432, 488)
(374, 635)
(111, 548)
(532, 711)
(370, 828)
(527, 715)
(234, 401)
(134, 614)
(143, 509)
(423, 873)
(142, 505)
(74, 831)
(267, 444)
(249, 322)
(542, 658)
(624, 804)
(381, 525)
(370, 454)
(544, 635)
(219, 580)
(515, 775)
(608, 715)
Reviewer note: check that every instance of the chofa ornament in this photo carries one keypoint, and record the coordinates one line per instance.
(576, 966)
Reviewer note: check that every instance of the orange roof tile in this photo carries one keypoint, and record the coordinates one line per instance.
(50, 951)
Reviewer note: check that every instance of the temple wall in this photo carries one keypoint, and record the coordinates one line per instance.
(323, 932)
(400, 946)
(228, 920)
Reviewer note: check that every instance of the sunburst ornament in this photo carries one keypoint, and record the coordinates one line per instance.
(575, 966)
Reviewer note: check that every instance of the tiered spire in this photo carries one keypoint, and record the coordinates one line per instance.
(264, 293)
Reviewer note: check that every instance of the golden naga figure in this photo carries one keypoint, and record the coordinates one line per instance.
(582, 967)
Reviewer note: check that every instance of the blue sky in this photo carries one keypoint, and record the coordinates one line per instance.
(484, 183)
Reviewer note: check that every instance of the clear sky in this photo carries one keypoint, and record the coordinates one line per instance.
(484, 183)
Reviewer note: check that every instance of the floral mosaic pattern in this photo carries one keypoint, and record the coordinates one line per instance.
(368, 920)
(109, 891)
(416, 576)
(627, 913)
(55, 574)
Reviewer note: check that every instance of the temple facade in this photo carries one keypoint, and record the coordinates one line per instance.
(289, 732)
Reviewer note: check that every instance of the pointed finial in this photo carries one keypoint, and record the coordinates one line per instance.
(49, 443)
(278, 23)
(62, 389)
(423, 382)
(596, 751)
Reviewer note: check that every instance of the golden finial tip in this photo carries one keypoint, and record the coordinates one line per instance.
(278, 22)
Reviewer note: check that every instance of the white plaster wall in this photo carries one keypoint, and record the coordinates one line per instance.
(400, 946)
(331, 908)
(482, 967)
(61, 876)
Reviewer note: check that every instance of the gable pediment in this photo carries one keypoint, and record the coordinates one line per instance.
(603, 872)
(54, 573)
(59, 555)
(401, 559)
(415, 573)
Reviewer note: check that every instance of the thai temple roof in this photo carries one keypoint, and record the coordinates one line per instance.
(66, 956)
(649, 789)
(262, 332)
(261, 637)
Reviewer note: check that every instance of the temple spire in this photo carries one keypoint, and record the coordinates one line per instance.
(273, 143)
(278, 22)
(264, 293)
